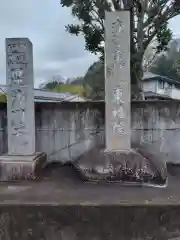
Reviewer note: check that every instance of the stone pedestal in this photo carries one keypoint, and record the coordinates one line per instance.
(131, 167)
(14, 168)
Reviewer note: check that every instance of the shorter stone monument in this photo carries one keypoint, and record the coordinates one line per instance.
(21, 161)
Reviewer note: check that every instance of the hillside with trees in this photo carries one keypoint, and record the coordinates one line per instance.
(3, 98)
(73, 86)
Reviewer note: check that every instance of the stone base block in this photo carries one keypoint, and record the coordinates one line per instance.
(128, 167)
(14, 168)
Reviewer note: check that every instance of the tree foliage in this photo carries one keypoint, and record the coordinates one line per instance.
(3, 98)
(94, 78)
(168, 64)
(149, 21)
(174, 53)
(50, 85)
(76, 80)
(150, 55)
(66, 87)
(164, 66)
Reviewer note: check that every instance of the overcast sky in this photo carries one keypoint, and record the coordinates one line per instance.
(55, 51)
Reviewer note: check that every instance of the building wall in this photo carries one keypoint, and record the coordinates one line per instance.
(150, 86)
(166, 89)
(159, 87)
(156, 125)
(175, 93)
(65, 130)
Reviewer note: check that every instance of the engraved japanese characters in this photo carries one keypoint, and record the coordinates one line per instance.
(117, 82)
(118, 111)
(20, 107)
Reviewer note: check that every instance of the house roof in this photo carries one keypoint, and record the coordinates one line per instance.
(148, 76)
(50, 96)
(151, 94)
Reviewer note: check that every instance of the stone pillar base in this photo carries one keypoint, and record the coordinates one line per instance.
(14, 168)
(126, 167)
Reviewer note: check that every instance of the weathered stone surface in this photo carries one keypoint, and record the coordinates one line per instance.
(14, 168)
(117, 80)
(20, 104)
(131, 166)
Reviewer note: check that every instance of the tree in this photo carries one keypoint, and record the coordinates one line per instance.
(77, 80)
(3, 97)
(166, 64)
(150, 55)
(174, 53)
(163, 66)
(94, 78)
(149, 21)
(87, 90)
(66, 87)
(50, 85)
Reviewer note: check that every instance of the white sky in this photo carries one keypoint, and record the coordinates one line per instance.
(55, 51)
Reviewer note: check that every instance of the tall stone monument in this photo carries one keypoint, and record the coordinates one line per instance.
(118, 162)
(21, 160)
(117, 81)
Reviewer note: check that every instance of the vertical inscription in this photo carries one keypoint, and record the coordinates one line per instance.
(20, 97)
(16, 62)
(118, 112)
(117, 61)
(18, 112)
(117, 83)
